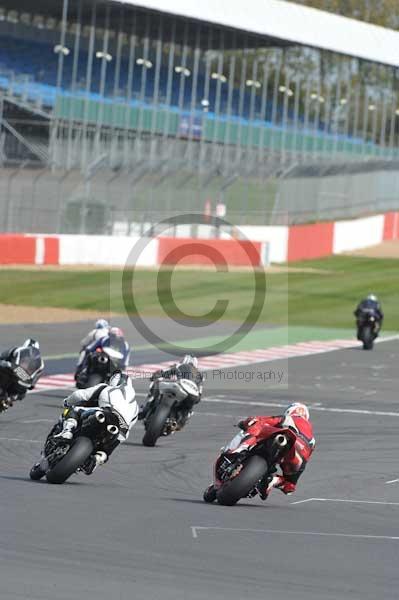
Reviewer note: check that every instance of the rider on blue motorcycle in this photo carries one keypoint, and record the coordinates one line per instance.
(102, 336)
(370, 303)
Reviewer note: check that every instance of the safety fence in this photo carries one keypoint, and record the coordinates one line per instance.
(109, 201)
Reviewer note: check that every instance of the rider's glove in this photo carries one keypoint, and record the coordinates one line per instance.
(156, 375)
(5, 364)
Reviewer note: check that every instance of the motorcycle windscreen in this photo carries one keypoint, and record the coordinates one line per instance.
(236, 442)
(368, 311)
(30, 360)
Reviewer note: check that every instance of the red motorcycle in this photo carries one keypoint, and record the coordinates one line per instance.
(248, 463)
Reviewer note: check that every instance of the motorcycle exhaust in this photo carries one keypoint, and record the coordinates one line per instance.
(100, 416)
(171, 426)
(112, 429)
(280, 440)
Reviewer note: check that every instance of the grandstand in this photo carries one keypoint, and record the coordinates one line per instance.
(158, 110)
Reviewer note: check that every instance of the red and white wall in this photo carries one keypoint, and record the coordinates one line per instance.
(274, 244)
(17, 249)
(303, 242)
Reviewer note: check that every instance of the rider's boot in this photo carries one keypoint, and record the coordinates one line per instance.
(265, 487)
(99, 458)
(68, 428)
(210, 494)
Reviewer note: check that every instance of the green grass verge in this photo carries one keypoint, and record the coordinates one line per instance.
(314, 299)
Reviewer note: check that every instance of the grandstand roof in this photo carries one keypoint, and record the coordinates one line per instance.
(288, 22)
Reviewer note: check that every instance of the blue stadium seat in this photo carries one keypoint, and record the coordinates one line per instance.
(38, 61)
(33, 67)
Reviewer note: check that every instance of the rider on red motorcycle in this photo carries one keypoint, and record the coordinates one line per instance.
(296, 417)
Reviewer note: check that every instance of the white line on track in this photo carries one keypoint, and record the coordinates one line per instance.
(388, 338)
(6, 439)
(37, 421)
(65, 389)
(196, 529)
(354, 411)
(392, 481)
(213, 414)
(39, 389)
(244, 402)
(346, 501)
(227, 360)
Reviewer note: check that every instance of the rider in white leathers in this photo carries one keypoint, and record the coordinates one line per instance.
(119, 395)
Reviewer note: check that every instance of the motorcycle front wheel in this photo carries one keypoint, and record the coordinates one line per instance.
(74, 458)
(155, 425)
(239, 487)
(367, 338)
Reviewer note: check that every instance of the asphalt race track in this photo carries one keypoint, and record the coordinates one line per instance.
(138, 529)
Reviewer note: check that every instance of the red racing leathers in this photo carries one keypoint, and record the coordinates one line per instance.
(295, 461)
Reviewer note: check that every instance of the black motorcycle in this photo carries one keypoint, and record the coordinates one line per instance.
(169, 410)
(101, 364)
(19, 375)
(62, 458)
(368, 327)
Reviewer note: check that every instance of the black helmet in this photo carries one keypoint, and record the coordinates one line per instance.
(31, 343)
(118, 378)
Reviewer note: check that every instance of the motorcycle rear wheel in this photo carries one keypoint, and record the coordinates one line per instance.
(239, 487)
(74, 458)
(155, 426)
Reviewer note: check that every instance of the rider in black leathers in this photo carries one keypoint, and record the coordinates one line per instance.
(6, 360)
(369, 303)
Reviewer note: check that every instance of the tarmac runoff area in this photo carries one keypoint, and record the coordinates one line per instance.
(138, 527)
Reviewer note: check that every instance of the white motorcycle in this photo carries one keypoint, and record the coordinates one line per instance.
(169, 409)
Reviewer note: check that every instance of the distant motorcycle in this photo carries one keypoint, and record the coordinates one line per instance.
(19, 375)
(168, 412)
(62, 458)
(248, 463)
(100, 365)
(368, 327)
